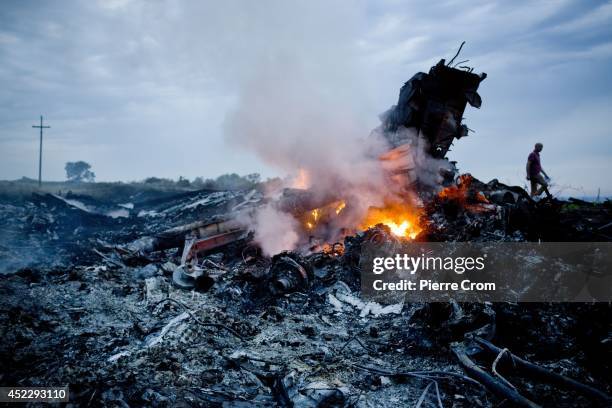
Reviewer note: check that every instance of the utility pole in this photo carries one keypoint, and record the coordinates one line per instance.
(40, 150)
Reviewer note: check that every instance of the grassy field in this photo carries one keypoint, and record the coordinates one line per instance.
(109, 191)
(121, 192)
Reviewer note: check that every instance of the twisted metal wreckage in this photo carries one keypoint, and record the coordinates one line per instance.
(431, 103)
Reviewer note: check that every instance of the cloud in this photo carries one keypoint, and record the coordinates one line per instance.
(592, 19)
(142, 86)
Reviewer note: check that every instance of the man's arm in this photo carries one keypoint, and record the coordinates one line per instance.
(527, 168)
(544, 173)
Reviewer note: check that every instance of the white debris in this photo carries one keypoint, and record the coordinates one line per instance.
(334, 302)
(377, 309)
(147, 213)
(169, 267)
(366, 308)
(120, 213)
(153, 290)
(153, 340)
(74, 203)
(141, 244)
(117, 213)
(171, 324)
(117, 356)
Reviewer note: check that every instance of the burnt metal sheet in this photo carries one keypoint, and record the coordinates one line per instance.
(434, 104)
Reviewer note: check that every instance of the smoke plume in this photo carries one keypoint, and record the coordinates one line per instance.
(296, 109)
(291, 123)
(275, 230)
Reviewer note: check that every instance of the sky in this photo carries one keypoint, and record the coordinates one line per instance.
(147, 88)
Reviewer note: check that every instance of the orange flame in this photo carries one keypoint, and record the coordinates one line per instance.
(316, 213)
(457, 192)
(340, 207)
(461, 194)
(312, 218)
(400, 218)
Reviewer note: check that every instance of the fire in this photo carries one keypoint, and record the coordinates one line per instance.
(400, 230)
(313, 218)
(458, 192)
(340, 207)
(316, 213)
(400, 218)
(321, 215)
(464, 195)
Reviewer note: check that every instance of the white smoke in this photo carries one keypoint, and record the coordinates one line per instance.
(290, 123)
(423, 167)
(275, 230)
(289, 120)
(297, 110)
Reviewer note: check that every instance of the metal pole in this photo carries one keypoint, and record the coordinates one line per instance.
(41, 127)
(40, 154)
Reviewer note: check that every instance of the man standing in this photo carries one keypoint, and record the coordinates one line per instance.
(536, 174)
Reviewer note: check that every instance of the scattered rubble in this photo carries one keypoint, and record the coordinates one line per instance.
(107, 317)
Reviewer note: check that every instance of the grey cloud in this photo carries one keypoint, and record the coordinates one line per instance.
(142, 88)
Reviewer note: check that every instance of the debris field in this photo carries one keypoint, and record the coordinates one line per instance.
(99, 310)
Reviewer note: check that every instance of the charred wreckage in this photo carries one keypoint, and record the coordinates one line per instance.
(169, 300)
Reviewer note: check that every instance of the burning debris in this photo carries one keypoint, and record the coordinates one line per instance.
(252, 296)
(406, 155)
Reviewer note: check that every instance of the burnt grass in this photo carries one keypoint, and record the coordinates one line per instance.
(103, 326)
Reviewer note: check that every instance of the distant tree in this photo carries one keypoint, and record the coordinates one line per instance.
(234, 181)
(198, 182)
(183, 182)
(227, 182)
(79, 171)
(209, 183)
(153, 180)
(254, 178)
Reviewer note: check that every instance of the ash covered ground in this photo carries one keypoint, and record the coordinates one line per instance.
(88, 299)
